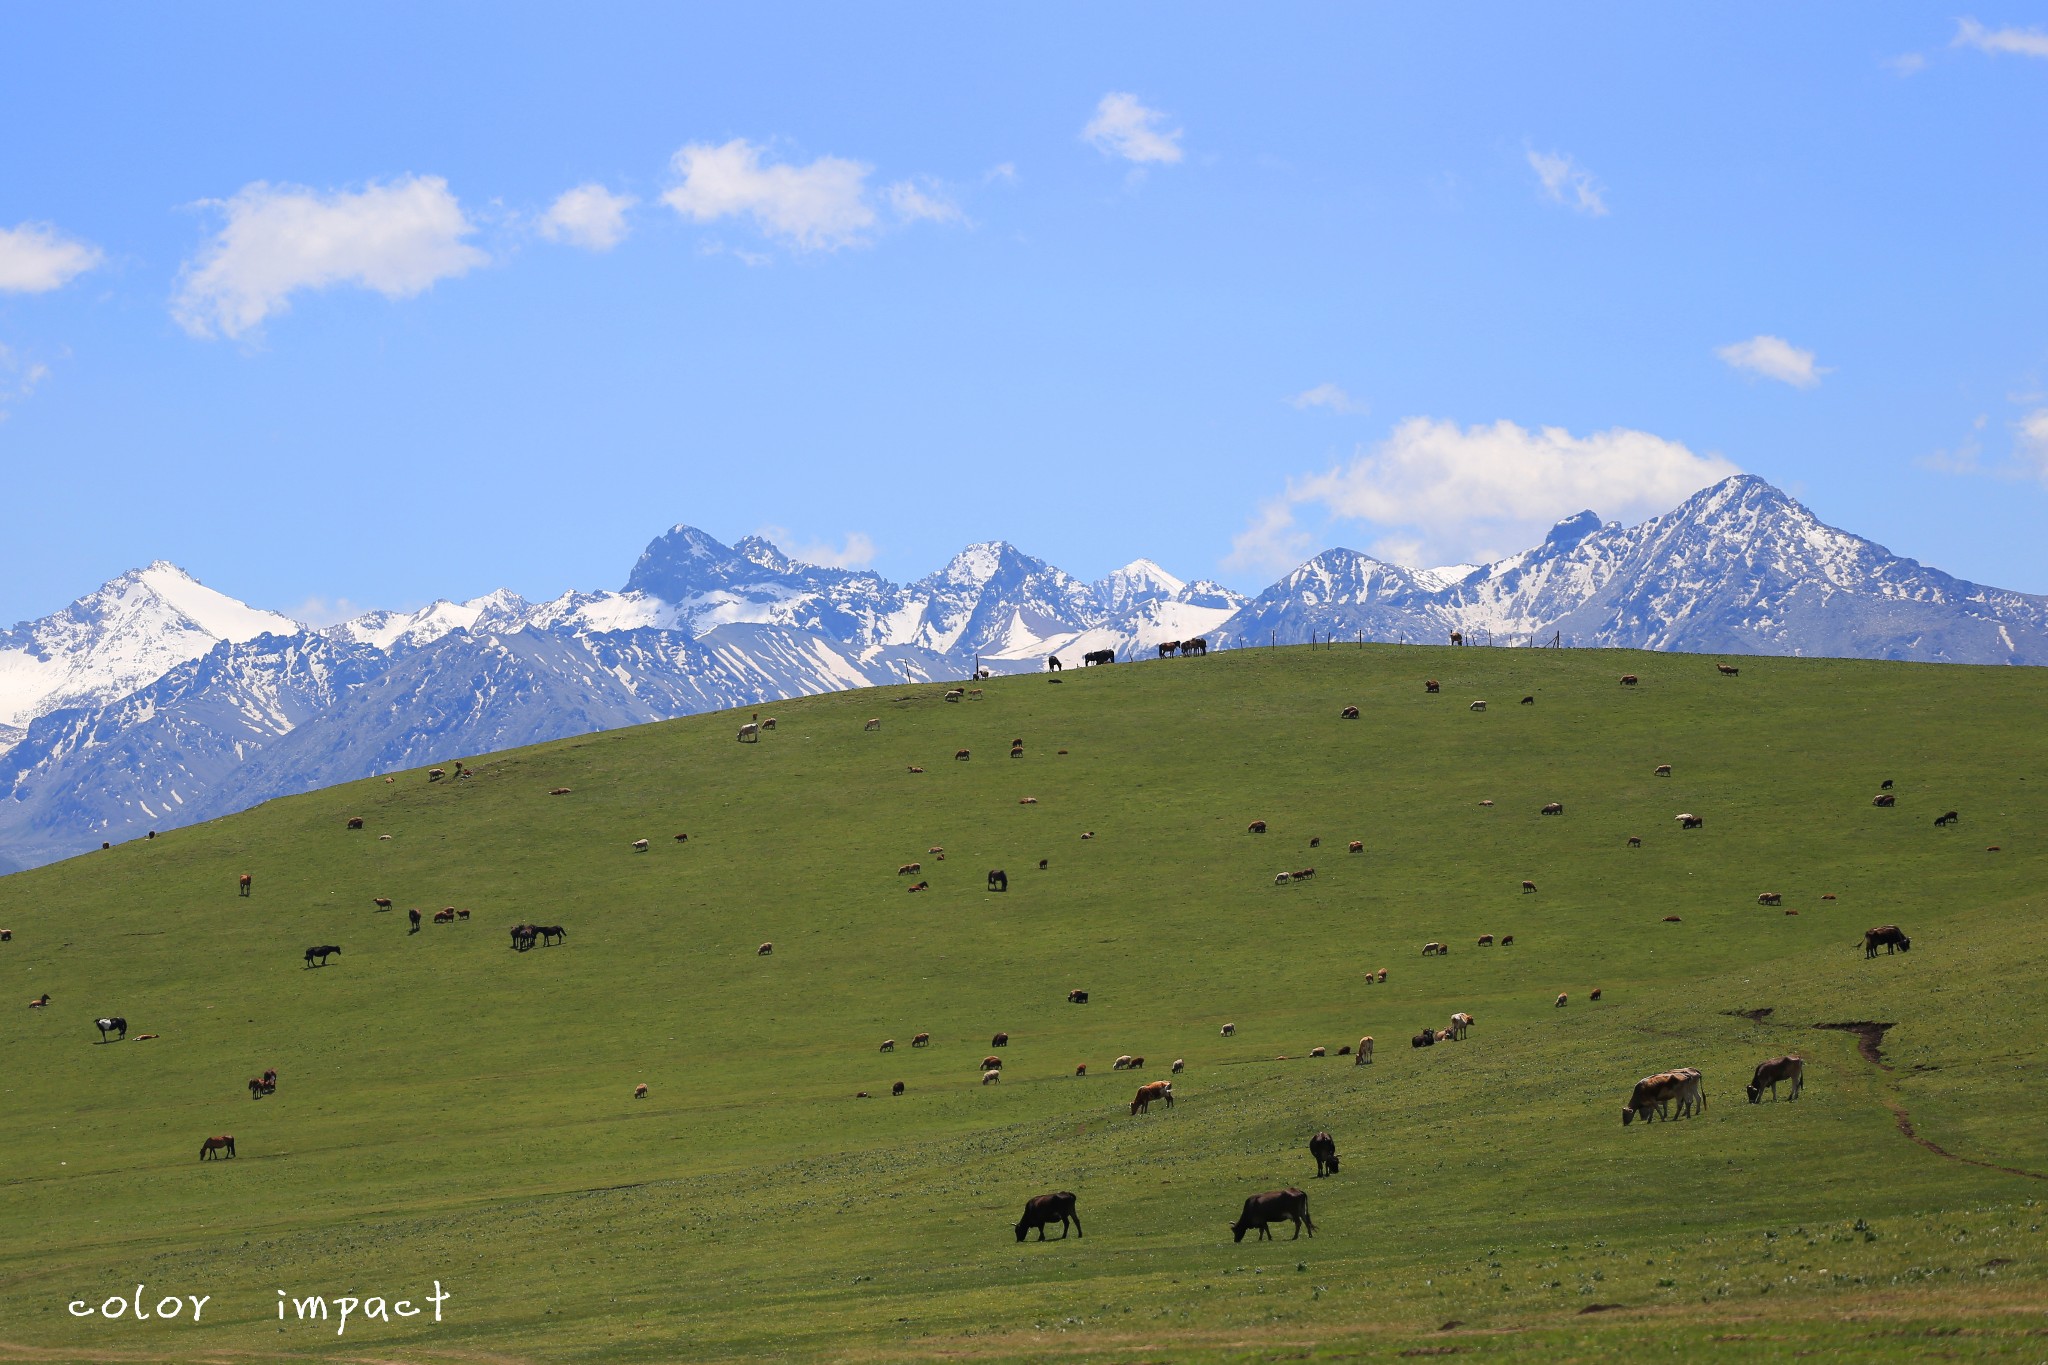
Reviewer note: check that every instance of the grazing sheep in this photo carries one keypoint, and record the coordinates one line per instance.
(1770, 898)
(436, 774)
(874, 723)
(991, 1064)
(682, 838)
(764, 950)
(1027, 800)
(355, 822)
(1255, 827)
(1356, 846)
(1087, 834)
(1081, 1070)
(1478, 706)
(1634, 841)
(1884, 799)
(896, 1089)
(559, 791)
(916, 769)
(1350, 713)
(1485, 940)
(1554, 808)
(1628, 680)
(1527, 887)
(888, 1045)
(1077, 997)
(1562, 998)
(1229, 1029)
(921, 1040)
(1318, 1052)
(768, 724)
(1725, 671)
(1122, 1063)
(639, 845)
(1435, 949)
(381, 902)
(1000, 1040)
(1383, 971)
(243, 883)
(1595, 994)
(640, 1092)
(1316, 842)
(750, 733)
(960, 755)
(919, 886)
(1179, 1065)
(1663, 770)
(1687, 820)
(991, 1077)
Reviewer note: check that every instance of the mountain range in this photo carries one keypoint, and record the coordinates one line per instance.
(156, 701)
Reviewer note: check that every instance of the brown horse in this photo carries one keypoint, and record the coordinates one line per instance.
(210, 1149)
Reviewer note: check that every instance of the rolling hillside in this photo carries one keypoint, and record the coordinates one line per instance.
(452, 1110)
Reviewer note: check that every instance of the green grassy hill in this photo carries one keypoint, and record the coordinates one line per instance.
(451, 1110)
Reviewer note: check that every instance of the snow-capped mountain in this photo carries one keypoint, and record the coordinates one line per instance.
(108, 643)
(156, 701)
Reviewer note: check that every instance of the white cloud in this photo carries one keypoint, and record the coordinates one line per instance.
(35, 258)
(1443, 494)
(913, 202)
(1331, 396)
(1124, 127)
(1774, 358)
(2030, 444)
(1907, 63)
(857, 552)
(1567, 182)
(320, 611)
(820, 206)
(2022, 42)
(1005, 171)
(589, 216)
(397, 239)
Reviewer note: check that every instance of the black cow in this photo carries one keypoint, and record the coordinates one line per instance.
(1274, 1206)
(1323, 1148)
(1098, 656)
(1426, 1038)
(1043, 1209)
(1947, 818)
(1885, 936)
(321, 953)
(998, 880)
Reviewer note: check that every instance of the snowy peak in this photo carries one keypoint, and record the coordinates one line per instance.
(1135, 584)
(388, 630)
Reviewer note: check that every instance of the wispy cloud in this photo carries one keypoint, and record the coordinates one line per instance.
(1774, 358)
(2027, 460)
(19, 378)
(1438, 493)
(589, 216)
(1907, 63)
(1004, 172)
(923, 201)
(1566, 182)
(324, 611)
(1125, 128)
(1331, 396)
(2019, 42)
(398, 239)
(855, 551)
(36, 258)
(821, 205)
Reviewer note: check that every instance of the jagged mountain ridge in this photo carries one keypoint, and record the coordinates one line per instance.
(105, 747)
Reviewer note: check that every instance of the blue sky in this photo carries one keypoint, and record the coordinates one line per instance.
(343, 307)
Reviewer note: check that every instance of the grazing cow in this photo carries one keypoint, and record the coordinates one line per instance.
(1461, 1024)
(322, 953)
(1198, 645)
(414, 916)
(991, 1077)
(921, 1040)
(1323, 1148)
(355, 822)
(559, 791)
(1650, 1096)
(1098, 656)
(1594, 994)
(639, 845)
(1274, 1206)
(874, 723)
(919, 886)
(1886, 936)
(909, 869)
(1828, 896)
(1562, 999)
(1349, 713)
(1053, 664)
(114, 1024)
(1687, 820)
(1629, 680)
(1042, 1210)
(1081, 1070)
(1692, 1093)
(1168, 647)
(381, 902)
(640, 1091)
(1077, 997)
(1152, 1090)
(764, 950)
(1318, 1052)
(1946, 818)
(446, 916)
(896, 1089)
(1884, 799)
(1634, 842)
(1485, 941)
(1478, 706)
(1000, 1040)
(1769, 1073)
(436, 774)
(1180, 1064)
(1663, 770)
(1554, 808)
(1726, 671)
(1426, 1038)
(554, 933)
(888, 1045)
(1229, 1029)
(1255, 827)
(750, 733)
(40, 1002)
(1355, 846)
(991, 1064)
(1885, 785)
(211, 1149)
(1527, 887)
(1435, 949)
(768, 724)
(1364, 1054)
(998, 880)
(960, 755)
(244, 883)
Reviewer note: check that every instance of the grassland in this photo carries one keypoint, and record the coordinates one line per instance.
(451, 1110)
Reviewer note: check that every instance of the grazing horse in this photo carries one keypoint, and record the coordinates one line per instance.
(551, 933)
(1323, 1148)
(1043, 1210)
(1168, 647)
(921, 1040)
(113, 1024)
(523, 936)
(1053, 664)
(1275, 1206)
(998, 880)
(381, 902)
(1777, 1069)
(322, 953)
(243, 882)
(210, 1149)
(1098, 656)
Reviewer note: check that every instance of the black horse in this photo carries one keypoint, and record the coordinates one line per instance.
(1052, 663)
(550, 933)
(113, 1024)
(317, 957)
(414, 916)
(1098, 656)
